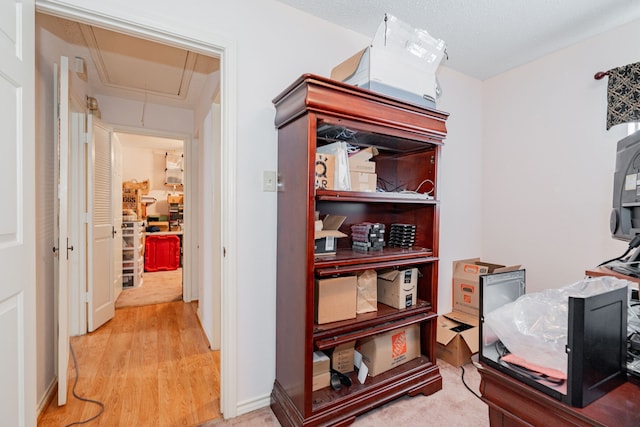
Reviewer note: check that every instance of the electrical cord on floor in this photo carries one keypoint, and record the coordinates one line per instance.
(84, 399)
(465, 384)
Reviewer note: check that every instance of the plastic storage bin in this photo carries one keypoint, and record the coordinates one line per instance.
(162, 253)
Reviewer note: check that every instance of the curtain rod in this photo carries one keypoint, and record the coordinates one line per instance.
(600, 75)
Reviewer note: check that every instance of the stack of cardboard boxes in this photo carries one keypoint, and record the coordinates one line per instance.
(457, 336)
(362, 171)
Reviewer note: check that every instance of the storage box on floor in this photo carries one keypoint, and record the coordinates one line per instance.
(457, 336)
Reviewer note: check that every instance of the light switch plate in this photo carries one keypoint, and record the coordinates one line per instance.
(269, 181)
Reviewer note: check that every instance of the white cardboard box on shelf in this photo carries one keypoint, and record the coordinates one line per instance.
(398, 288)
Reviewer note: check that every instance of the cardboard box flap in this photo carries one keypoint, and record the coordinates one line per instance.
(460, 317)
(471, 337)
(445, 333)
(363, 155)
(505, 269)
(348, 67)
(330, 226)
(391, 275)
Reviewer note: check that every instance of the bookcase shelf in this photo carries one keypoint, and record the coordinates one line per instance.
(408, 139)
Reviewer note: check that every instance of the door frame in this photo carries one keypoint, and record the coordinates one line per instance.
(217, 46)
(191, 215)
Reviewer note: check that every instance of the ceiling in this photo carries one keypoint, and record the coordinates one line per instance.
(484, 37)
(127, 67)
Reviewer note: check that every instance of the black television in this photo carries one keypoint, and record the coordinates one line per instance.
(625, 216)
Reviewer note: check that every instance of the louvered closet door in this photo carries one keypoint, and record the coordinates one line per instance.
(101, 295)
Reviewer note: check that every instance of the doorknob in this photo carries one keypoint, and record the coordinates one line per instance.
(69, 248)
(113, 232)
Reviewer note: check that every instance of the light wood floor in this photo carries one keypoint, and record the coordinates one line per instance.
(149, 365)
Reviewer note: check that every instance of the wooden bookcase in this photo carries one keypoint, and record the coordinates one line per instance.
(409, 139)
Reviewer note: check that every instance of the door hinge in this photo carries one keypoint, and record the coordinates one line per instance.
(86, 217)
(86, 297)
(85, 137)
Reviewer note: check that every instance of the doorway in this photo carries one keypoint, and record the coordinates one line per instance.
(224, 218)
(154, 197)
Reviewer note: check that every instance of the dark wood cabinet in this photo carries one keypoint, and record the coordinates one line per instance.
(409, 139)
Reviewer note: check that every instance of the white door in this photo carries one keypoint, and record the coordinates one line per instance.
(17, 217)
(116, 203)
(62, 234)
(101, 295)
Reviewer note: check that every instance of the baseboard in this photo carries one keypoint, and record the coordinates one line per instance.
(47, 398)
(253, 404)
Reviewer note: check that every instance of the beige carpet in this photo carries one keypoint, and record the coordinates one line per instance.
(157, 287)
(453, 406)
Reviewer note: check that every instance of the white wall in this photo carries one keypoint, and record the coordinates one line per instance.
(548, 161)
(512, 149)
(460, 186)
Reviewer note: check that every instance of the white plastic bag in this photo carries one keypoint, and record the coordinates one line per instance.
(338, 149)
(534, 327)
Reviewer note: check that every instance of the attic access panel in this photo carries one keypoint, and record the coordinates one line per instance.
(141, 65)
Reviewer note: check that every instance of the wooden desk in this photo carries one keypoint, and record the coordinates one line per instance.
(513, 403)
(604, 271)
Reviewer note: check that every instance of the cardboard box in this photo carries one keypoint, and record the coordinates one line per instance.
(386, 351)
(398, 288)
(179, 199)
(325, 171)
(466, 291)
(361, 181)
(335, 299)
(364, 167)
(390, 66)
(342, 357)
(360, 161)
(457, 338)
(321, 381)
(320, 363)
(325, 239)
